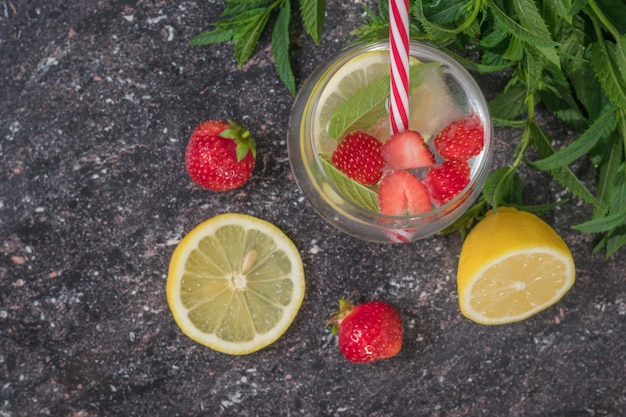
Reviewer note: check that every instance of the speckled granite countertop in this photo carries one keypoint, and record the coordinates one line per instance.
(97, 101)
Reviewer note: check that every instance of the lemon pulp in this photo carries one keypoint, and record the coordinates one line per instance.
(512, 265)
(235, 283)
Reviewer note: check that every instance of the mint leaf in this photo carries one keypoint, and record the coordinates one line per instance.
(354, 191)
(615, 11)
(601, 128)
(217, 35)
(530, 35)
(515, 50)
(367, 105)
(532, 21)
(368, 101)
(603, 224)
(436, 32)
(312, 12)
(509, 104)
(610, 173)
(563, 175)
(535, 62)
(607, 58)
(247, 38)
(280, 48)
(503, 186)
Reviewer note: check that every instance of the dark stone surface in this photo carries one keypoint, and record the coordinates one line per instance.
(97, 100)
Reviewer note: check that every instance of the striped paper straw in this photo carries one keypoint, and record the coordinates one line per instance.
(399, 67)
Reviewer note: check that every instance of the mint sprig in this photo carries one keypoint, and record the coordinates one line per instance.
(244, 21)
(567, 56)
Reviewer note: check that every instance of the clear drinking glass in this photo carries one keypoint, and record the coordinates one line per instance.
(454, 92)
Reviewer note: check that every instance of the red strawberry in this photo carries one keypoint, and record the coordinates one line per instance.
(447, 180)
(462, 139)
(401, 193)
(407, 150)
(367, 332)
(358, 156)
(220, 155)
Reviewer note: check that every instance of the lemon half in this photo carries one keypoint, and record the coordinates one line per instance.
(235, 283)
(512, 265)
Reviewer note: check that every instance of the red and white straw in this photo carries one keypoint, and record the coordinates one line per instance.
(399, 68)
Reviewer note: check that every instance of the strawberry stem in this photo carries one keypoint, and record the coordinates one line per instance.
(242, 137)
(345, 307)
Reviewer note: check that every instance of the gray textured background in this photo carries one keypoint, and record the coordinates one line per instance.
(97, 101)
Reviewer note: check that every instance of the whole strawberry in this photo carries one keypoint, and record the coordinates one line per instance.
(462, 139)
(367, 332)
(359, 156)
(447, 180)
(220, 155)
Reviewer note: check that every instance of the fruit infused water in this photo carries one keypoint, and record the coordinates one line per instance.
(352, 133)
(381, 187)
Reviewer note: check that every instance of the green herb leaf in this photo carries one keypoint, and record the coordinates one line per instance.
(603, 224)
(312, 12)
(246, 39)
(354, 191)
(563, 175)
(280, 48)
(244, 21)
(601, 128)
(529, 34)
(611, 172)
(503, 186)
(368, 104)
(510, 103)
(217, 35)
(606, 59)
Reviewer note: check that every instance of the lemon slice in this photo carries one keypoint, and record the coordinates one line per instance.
(512, 265)
(356, 74)
(235, 283)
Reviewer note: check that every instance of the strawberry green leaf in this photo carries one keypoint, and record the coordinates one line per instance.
(280, 48)
(312, 12)
(354, 191)
(243, 139)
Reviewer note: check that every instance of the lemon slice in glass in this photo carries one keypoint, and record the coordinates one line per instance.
(512, 265)
(235, 283)
(356, 74)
